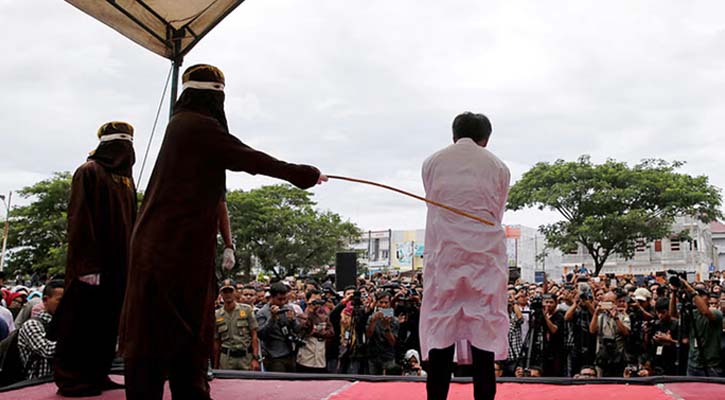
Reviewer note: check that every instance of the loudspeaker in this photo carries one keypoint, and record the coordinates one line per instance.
(345, 270)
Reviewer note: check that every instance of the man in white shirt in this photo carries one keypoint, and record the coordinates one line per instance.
(466, 274)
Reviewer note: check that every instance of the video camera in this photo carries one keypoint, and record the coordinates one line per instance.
(536, 303)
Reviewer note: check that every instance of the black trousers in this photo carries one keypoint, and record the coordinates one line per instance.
(86, 328)
(440, 368)
(186, 374)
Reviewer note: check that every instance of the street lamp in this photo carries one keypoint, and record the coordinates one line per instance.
(5, 230)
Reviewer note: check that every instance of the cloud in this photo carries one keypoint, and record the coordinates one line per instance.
(369, 89)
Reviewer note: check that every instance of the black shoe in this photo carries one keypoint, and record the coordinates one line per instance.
(86, 392)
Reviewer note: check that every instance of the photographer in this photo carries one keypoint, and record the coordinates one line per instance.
(515, 338)
(278, 330)
(639, 311)
(553, 335)
(545, 336)
(661, 339)
(578, 317)
(705, 333)
(333, 345)
(407, 310)
(353, 342)
(382, 333)
(611, 324)
(641, 369)
(411, 364)
(315, 331)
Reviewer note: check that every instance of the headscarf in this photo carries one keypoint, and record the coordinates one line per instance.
(115, 151)
(203, 92)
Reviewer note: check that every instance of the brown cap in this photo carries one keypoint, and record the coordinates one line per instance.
(115, 127)
(203, 73)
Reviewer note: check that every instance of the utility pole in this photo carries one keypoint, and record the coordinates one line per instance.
(5, 230)
(412, 258)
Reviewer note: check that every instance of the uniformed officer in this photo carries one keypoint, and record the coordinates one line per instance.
(235, 343)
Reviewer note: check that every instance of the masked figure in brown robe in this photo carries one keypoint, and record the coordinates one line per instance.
(101, 214)
(167, 322)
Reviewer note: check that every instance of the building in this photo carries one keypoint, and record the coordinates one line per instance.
(402, 251)
(389, 250)
(717, 229)
(527, 251)
(695, 256)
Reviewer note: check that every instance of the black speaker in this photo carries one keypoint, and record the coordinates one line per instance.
(345, 270)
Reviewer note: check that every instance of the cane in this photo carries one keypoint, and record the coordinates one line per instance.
(429, 201)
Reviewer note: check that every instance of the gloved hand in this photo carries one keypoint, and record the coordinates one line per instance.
(228, 259)
(92, 279)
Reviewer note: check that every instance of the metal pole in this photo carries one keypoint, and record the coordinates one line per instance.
(5, 231)
(390, 248)
(175, 36)
(174, 83)
(412, 258)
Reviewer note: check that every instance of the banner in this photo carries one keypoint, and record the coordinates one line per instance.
(404, 253)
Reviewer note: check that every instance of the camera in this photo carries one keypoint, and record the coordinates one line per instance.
(675, 277)
(292, 338)
(357, 299)
(537, 303)
(318, 302)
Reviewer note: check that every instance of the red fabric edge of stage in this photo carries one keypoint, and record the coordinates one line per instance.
(518, 391)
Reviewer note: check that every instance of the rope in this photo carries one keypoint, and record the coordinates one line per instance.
(429, 201)
(153, 129)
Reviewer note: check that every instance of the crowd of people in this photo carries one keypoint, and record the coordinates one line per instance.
(581, 327)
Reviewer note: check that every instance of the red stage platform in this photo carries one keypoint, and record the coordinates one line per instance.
(291, 389)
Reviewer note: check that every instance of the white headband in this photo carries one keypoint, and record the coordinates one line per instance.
(116, 136)
(203, 85)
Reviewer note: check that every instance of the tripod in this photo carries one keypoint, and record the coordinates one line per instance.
(535, 325)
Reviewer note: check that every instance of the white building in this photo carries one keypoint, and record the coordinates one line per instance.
(524, 247)
(718, 240)
(695, 256)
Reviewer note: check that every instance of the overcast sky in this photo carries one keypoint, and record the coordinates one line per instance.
(369, 89)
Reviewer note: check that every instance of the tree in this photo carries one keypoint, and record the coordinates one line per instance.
(607, 207)
(37, 239)
(279, 226)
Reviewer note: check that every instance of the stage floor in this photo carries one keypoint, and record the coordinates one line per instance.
(289, 389)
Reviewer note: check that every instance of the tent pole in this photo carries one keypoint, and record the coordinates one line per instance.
(176, 63)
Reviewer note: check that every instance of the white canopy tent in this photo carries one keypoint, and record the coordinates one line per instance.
(169, 28)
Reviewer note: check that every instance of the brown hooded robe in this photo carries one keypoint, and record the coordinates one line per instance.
(101, 214)
(168, 311)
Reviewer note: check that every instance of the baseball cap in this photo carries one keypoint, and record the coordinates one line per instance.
(228, 284)
(642, 294)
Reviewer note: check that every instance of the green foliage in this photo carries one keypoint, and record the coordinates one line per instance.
(276, 224)
(279, 226)
(607, 207)
(37, 240)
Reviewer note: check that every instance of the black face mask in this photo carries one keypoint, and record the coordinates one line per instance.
(117, 156)
(209, 102)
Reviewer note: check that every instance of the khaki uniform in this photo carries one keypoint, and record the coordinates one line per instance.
(234, 331)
